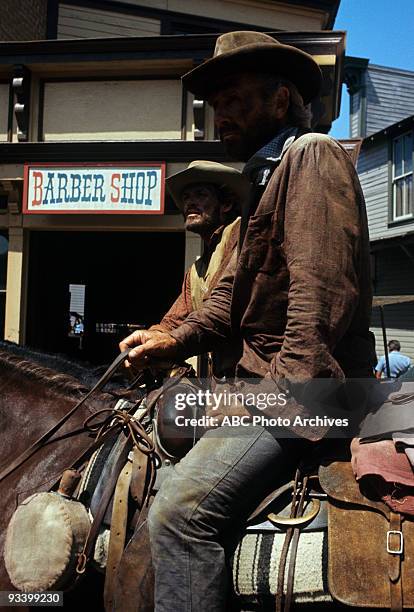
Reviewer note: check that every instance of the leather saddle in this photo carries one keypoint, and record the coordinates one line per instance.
(320, 539)
(358, 551)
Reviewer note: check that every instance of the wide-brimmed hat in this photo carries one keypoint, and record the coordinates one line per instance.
(208, 172)
(255, 52)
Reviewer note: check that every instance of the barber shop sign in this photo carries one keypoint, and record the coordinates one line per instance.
(99, 188)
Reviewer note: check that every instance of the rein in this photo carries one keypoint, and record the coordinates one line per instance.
(29, 452)
(105, 424)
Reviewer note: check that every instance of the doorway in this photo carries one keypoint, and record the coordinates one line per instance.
(87, 290)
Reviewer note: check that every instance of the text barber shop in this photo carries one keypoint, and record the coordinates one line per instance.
(102, 188)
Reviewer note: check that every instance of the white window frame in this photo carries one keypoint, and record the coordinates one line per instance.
(398, 178)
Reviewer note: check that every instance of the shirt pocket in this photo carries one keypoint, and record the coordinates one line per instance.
(261, 251)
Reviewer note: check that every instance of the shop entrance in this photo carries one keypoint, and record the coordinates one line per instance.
(85, 288)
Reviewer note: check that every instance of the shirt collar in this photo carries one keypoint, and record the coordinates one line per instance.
(216, 235)
(264, 160)
(213, 242)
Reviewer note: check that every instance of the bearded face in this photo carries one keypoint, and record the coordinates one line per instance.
(245, 119)
(201, 209)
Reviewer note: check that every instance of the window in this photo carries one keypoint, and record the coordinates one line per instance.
(402, 177)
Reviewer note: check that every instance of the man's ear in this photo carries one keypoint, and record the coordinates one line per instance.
(229, 204)
(226, 206)
(282, 99)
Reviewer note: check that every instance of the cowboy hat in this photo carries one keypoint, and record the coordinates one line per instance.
(255, 52)
(207, 172)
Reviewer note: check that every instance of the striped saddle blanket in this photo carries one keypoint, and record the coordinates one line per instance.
(256, 561)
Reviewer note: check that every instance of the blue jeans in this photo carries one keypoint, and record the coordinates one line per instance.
(199, 510)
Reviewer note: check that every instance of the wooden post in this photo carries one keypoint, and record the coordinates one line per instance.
(384, 337)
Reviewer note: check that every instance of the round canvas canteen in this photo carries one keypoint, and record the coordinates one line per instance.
(44, 537)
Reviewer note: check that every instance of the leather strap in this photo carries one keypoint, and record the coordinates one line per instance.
(29, 452)
(285, 550)
(294, 547)
(142, 441)
(269, 499)
(89, 545)
(395, 542)
(291, 541)
(117, 533)
(139, 477)
(282, 568)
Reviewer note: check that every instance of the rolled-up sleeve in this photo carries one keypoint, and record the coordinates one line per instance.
(179, 311)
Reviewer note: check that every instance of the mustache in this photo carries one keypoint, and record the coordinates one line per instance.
(192, 210)
(228, 127)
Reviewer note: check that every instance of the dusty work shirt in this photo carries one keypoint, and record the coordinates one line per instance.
(300, 294)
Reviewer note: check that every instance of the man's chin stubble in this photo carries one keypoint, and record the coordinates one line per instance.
(196, 227)
(236, 150)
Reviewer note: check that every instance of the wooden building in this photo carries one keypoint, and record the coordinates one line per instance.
(104, 91)
(382, 112)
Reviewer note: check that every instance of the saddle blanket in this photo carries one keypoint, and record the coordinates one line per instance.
(255, 566)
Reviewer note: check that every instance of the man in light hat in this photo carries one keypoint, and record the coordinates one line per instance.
(210, 196)
(299, 297)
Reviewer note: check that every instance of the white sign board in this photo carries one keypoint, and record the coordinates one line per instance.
(100, 188)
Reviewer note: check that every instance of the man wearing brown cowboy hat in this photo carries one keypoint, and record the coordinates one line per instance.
(210, 196)
(298, 296)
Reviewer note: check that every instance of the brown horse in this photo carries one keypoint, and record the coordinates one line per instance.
(36, 391)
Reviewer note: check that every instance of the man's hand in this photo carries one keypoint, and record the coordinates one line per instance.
(149, 349)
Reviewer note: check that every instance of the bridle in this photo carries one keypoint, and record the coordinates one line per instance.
(104, 431)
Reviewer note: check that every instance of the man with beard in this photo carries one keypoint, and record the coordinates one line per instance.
(298, 295)
(209, 195)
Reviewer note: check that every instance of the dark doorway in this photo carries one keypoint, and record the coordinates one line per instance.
(128, 278)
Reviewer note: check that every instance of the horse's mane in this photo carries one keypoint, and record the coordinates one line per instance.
(60, 373)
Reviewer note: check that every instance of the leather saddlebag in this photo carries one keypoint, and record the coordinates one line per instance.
(44, 537)
(370, 548)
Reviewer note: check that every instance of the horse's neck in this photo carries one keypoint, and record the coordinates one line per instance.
(29, 408)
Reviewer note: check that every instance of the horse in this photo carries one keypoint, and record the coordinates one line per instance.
(36, 391)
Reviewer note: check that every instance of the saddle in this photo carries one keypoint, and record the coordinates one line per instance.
(316, 539)
(328, 543)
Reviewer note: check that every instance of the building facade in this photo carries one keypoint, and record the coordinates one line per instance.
(382, 112)
(99, 92)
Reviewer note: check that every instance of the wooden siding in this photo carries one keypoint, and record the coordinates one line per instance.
(270, 15)
(390, 96)
(354, 121)
(84, 22)
(394, 276)
(373, 175)
(405, 336)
